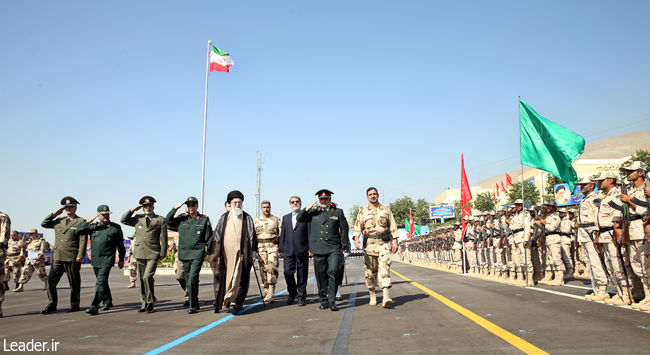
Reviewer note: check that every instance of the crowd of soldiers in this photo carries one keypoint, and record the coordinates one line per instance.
(603, 240)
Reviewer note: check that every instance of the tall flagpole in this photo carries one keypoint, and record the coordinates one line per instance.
(525, 271)
(205, 122)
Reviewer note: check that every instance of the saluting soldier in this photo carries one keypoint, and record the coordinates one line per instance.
(69, 250)
(377, 224)
(267, 228)
(327, 242)
(194, 233)
(105, 239)
(149, 245)
(35, 260)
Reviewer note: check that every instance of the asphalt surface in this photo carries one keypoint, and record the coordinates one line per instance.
(417, 323)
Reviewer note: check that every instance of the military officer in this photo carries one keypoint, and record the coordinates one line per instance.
(328, 240)
(566, 241)
(553, 241)
(587, 218)
(458, 248)
(69, 251)
(267, 228)
(149, 245)
(194, 233)
(520, 227)
(15, 259)
(5, 227)
(35, 260)
(638, 249)
(377, 225)
(105, 239)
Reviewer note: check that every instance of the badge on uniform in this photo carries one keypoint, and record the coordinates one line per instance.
(198, 232)
(334, 217)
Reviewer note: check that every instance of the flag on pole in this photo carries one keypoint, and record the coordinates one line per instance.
(508, 179)
(496, 192)
(547, 146)
(503, 189)
(220, 60)
(465, 193)
(411, 224)
(495, 196)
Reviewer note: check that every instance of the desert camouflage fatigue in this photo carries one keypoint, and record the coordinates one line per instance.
(36, 245)
(15, 259)
(587, 226)
(133, 266)
(268, 232)
(639, 251)
(178, 267)
(374, 223)
(565, 244)
(5, 227)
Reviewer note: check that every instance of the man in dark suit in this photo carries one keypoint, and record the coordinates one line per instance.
(294, 243)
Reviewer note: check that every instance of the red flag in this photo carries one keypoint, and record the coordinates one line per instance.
(495, 196)
(497, 190)
(465, 192)
(411, 224)
(503, 189)
(508, 179)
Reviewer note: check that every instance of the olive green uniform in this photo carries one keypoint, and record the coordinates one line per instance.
(193, 236)
(149, 245)
(105, 239)
(329, 235)
(67, 248)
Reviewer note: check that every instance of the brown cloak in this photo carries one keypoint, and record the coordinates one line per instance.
(248, 246)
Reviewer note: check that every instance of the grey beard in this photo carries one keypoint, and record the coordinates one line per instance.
(237, 211)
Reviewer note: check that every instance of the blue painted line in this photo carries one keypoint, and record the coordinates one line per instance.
(209, 326)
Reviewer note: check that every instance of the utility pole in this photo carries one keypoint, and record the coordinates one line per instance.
(258, 192)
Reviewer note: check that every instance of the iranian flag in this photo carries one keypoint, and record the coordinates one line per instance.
(220, 60)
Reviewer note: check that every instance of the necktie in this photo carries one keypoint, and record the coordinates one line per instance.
(148, 221)
(67, 221)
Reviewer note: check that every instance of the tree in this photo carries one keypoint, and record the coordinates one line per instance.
(484, 202)
(530, 192)
(354, 211)
(400, 209)
(457, 210)
(640, 155)
(549, 193)
(421, 213)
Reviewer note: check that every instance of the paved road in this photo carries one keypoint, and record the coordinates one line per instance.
(437, 312)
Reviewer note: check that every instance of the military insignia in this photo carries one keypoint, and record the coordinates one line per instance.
(67, 202)
(105, 208)
(334, 217)
(140, 226)
(198, 232)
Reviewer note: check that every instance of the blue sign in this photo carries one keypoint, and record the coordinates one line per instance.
(442, 211)
(564, 198)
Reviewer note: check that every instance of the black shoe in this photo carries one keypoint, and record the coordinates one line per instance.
(150, 308)
(155, 299)
(107, 307)
(72, 309)
(333, 308)
(323, 306)
(92, 311)
(339, 298)
(186, 304)
(50, 308)
(291, 299)
(302, 303)
(192, 310)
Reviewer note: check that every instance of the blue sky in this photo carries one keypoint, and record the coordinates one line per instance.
(104, 101)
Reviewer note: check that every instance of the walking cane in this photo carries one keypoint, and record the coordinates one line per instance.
(258, 284)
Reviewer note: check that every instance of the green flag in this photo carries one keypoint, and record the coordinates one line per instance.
(547, 146)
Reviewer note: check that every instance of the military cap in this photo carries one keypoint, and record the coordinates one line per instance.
(549, 203)
(632, 166)
(33, 231)
(147, 200)
(604, 175)
(457, 224)
(583, 181)
(563, 209)
(519, 201)
(192, 199)
(69, 201)
(103, 209)
(324, 193)
(233, 195)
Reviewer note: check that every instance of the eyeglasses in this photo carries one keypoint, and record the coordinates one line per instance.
(192, 205)
(294, 202)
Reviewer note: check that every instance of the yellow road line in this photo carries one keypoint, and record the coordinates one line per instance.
(516, 341)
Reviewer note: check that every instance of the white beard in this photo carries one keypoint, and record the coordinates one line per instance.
(236, 212)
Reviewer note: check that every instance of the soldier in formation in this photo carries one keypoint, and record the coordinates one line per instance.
(35, 260)
(15, 259)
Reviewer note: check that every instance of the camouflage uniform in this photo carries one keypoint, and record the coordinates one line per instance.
(268, 233)
(133, 266)
(458, 250)
(520, 226)
(554, 249)
(565, 244)
(178, 269)
(587, 226)
(35, 261)
(5, 227)
(639, 251)
(376, 224)
(15, 259)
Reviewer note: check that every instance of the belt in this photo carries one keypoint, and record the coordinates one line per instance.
(517, 230)
(16, 254)
(606, 229)
(585, 225)
(635, 217)
(372, 236)
(566, 234)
